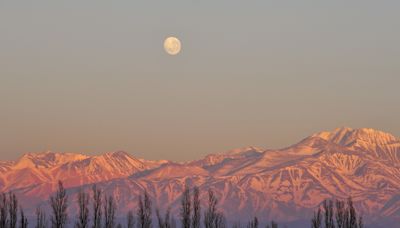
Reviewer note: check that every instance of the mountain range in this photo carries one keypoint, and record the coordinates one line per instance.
(285, 184)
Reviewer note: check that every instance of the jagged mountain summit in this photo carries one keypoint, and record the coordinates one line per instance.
(35, 171)
(285, 185)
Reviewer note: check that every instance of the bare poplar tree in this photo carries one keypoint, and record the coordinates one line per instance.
(83, 214)
(340, 214)
(220, 221)
(274, 224)
(97, 204)
(144, 211)
(130, 219)
(12, 210)
(160, 219)
(3, 210)
(164, 222)
(196, 208)
(40, 218)
(253, 223)
(185, 208)
(360, 222)
(23, 220)
(351, 216)
(210, 215)
(109, 211)
(147, 209)
(316, 220)
(59, 207)
(328, 213)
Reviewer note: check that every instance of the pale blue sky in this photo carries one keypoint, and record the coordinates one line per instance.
(92, 76)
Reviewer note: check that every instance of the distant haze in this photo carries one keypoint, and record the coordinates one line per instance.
(92, 76)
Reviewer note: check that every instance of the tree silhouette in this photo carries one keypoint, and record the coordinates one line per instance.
(3, 210)
(340, 214)
(351, 215)
(130, 219)
(196, 208)
(144, 211)
(212, 217)
(316, 220)
(164, 222)
(328, 214)
(96, 207)
(109, 211)
(345, 215)
(12, 210)
(253, 223)
(220, 221)
(23, 220)
(83, 213)
(211, 214)
(272, 225)
(59, 207)
(185, 208)
(360, 222)
(40, 218)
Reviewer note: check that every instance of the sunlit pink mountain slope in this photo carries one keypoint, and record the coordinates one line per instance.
(284, 185)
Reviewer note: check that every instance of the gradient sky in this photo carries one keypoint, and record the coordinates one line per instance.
(92, 76)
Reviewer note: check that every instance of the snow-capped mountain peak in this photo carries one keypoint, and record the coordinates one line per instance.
(366, 141)
(345, 136)
(46, 159)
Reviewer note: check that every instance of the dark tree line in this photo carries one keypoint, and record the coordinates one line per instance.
(9, 212)
(338, 214)
(164, 221)
(343, 215)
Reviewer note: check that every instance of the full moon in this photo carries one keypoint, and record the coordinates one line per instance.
(172, 45)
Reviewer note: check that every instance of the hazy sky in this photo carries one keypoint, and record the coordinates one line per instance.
(92, 76)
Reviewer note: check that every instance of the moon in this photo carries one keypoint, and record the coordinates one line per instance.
(172, 45)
